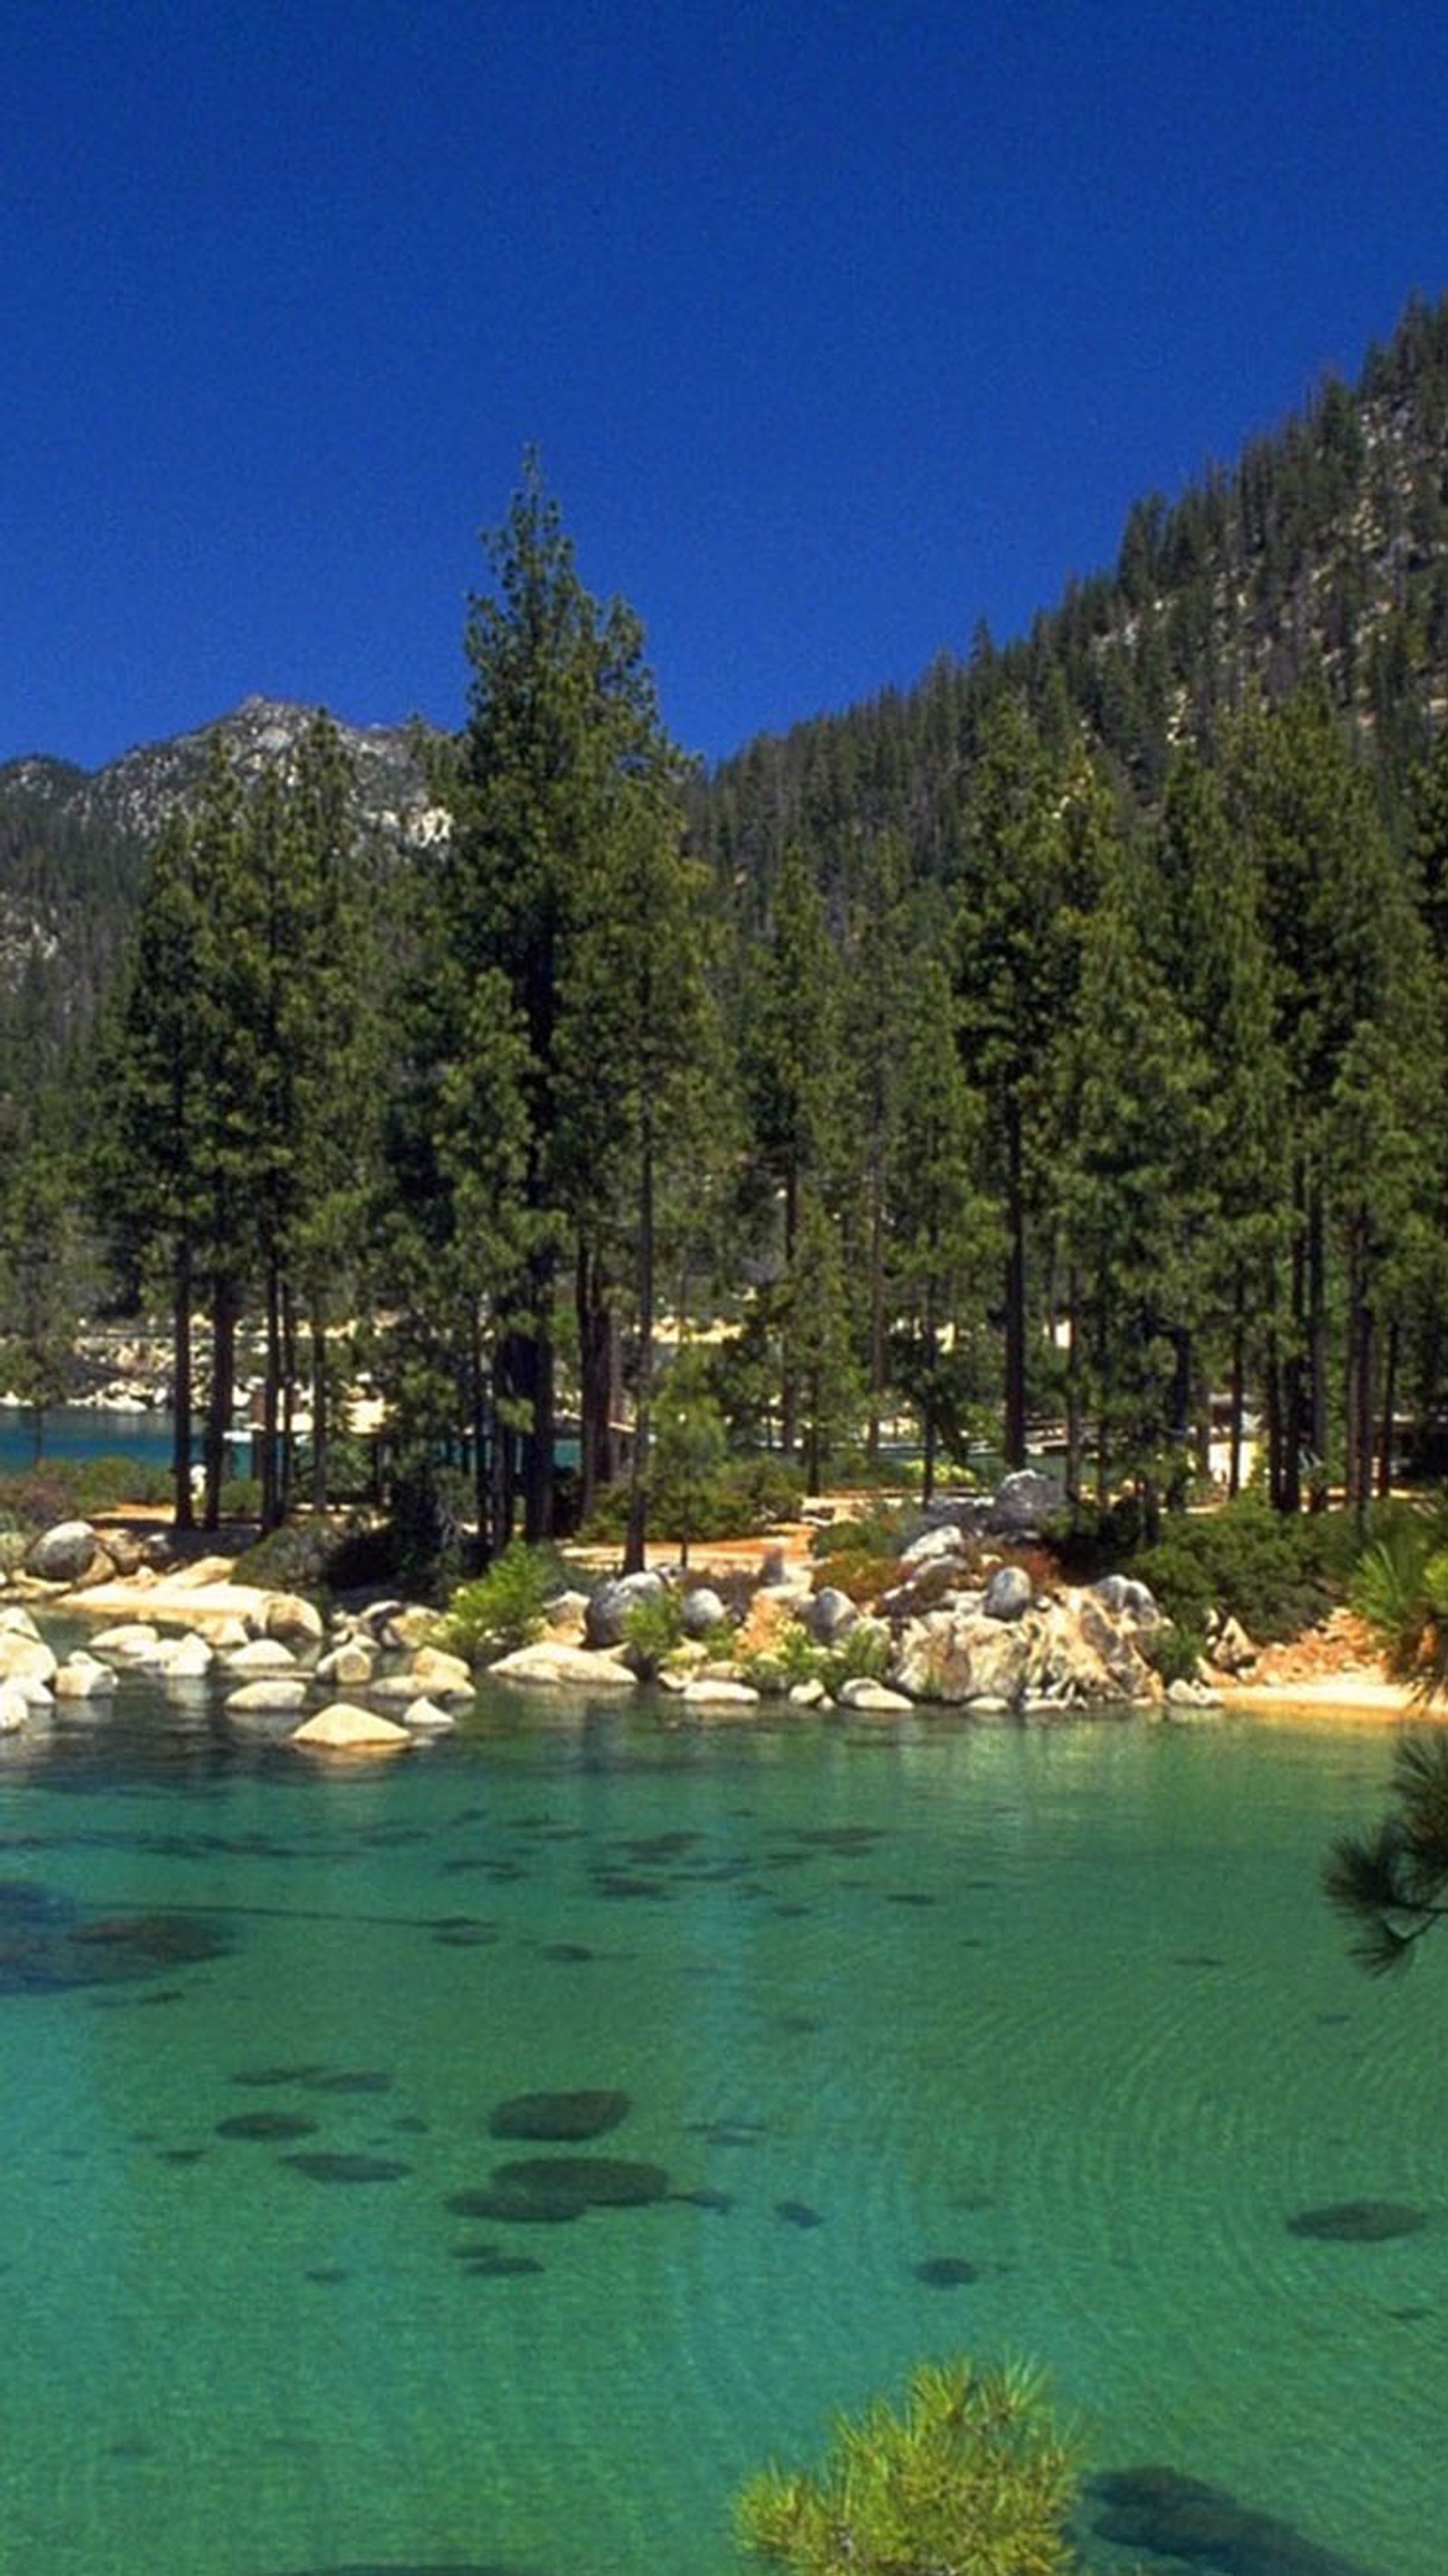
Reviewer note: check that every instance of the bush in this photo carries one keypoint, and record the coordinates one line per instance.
(1400, 1587)
(318, 1557)
(862, 1655)
(1278, 1573)
(503, 1608)
(878, 1531)
(973, 2475)
(103, 1483)
(861, 1573)
(792, 1657)
(746, 1497)
(652, 1628)
(1175, 1650)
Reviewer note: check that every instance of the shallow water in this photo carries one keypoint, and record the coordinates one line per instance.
(943, 2039)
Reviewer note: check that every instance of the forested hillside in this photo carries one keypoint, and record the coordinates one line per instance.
(1058, 1044)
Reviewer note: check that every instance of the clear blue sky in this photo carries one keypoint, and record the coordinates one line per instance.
(838, 327)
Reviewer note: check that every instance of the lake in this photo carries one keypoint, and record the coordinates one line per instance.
(930, 2038)
(83, 1431)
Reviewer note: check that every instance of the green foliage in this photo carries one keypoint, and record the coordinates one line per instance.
(745, 1499)
(1277, 1573)
(503, 1608)
(792, 1656)
(863, 1654)
(319, 1556)
(101, 1484)
(862, 1572)
(972, 2479)
(652, 1628)
(1174, 1649)
(879, 1530)
(1392, 1882)
(58, 1489)
(1400, 1587)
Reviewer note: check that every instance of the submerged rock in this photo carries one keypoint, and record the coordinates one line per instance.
(552, 2190)
(549, 2116)
(1186, 2521)
(1358, 2222)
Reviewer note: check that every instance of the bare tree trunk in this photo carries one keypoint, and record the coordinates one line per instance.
(223, 1391)
(638, 1501)
(183, 1513)
(1390, 1401)
(1015, 1293)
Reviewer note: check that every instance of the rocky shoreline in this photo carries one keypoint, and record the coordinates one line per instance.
(959, 1629)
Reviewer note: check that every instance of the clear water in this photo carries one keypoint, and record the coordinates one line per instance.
(80, 1431)
(1064, 2008)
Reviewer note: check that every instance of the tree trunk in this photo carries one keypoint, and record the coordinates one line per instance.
(928, 1407)
(597, 1359)
(638, 1500)
(1317, 1415)
(223, 1391)
(270, 1402)
(1238, 1399)
(1073, 1386)
(286, 1463)
(183, 1512)
(536, 1385)
(788, 1383)
(1390, 1400)
(321, 1424)
(1015, 1293)
(877, 1323)
(478, 1415)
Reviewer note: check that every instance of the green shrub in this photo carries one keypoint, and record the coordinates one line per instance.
(652, 1628)
(1400, 1587)
(744, 1498)
(878, 1531)
(503, 1608)
(792, 1657)
(974, 2475)
(317, 1556)
(103, 1483)
(1276, 1572)
(240, 1498)
(1175, 1649)
(861, 1573)
(861, 1655)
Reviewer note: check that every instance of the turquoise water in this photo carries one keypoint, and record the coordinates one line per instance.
(1061, 2012)
(80, 1431)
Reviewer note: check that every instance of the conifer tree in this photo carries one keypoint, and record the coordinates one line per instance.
(1011, 968)
(564, 762)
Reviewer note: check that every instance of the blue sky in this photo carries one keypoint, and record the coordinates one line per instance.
(838, 327)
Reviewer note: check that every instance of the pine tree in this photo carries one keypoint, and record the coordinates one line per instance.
(1011, 965)
(563, 762)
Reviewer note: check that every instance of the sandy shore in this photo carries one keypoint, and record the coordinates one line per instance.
(1361, 1698)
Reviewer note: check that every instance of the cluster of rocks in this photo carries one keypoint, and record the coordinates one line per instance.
(959, 1627)
(368, 1680)
(955, 1630)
